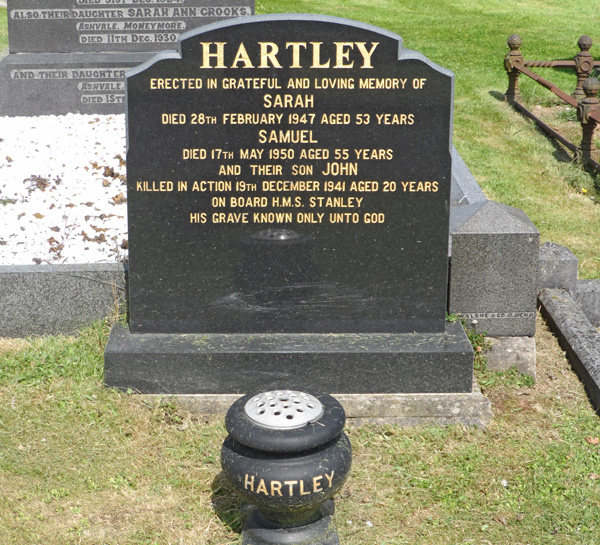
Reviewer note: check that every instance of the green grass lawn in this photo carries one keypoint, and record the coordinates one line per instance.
(83, 465)
(80, 464)
(3, 30)
(512, 161)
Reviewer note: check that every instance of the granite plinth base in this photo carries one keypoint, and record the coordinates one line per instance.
(341, 363)
(61, 83)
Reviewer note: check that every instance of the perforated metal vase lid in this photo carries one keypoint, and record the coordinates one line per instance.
(283, 409)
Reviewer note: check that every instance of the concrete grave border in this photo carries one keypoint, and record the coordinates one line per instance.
(571, 307)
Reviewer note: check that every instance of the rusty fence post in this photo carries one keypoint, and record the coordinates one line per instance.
(512, 58)
(589, 104)
(584, 63)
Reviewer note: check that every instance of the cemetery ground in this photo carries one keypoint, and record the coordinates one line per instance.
(83, 464)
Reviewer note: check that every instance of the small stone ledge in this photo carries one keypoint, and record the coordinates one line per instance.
(57, 299)
(587, 296)
(471, 409)
(517, 352)
(577, 336)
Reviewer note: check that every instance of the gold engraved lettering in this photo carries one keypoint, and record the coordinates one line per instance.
(298, 83)
(288, 101)
(212, 185)
(286, 202)
(173, 119)
(287, 185)
(194, 153)
(175, 83)
(295, 53)
(330, 185)
(291, 486)
(272, 488)
(242, 56)
(366, 53)
(251, 153)
(196, 217)
(317, 56)
(219, 55)
(382, 83)
(213, 55)
(223, 217)
(250, 83)
(340, 169)
(276, 487)
(250, 202)
(268, 55)
(266, 170)
(374, 218)
(272, 217)
(230, 170)
(309, 217)
(371, 186)
(335, 202)
(342, 54)
(302, 170)
(335, 119)
(252, 119)
(334, 83)
(261, 488)
(416, 187)
(145, 185)
(395, 119)
(344, 217)
(314, 153)
(374, 154)
(291, 136)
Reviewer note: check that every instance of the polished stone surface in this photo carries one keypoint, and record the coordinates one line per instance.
(363, 248)
(341, 363)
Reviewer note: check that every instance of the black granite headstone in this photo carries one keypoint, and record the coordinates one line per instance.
(71, 55)
(288, 194)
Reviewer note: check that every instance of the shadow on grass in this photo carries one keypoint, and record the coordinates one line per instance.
(560, 153)
(228, 506)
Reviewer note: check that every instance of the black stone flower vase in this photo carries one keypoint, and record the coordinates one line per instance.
(286, 454)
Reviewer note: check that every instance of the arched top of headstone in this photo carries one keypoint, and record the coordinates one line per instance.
(303, 23)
